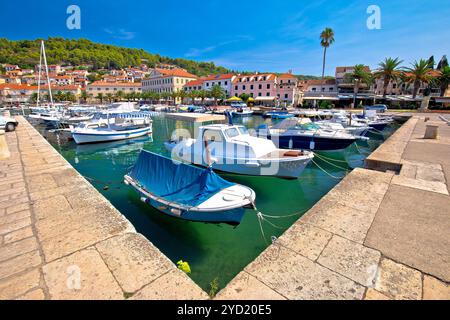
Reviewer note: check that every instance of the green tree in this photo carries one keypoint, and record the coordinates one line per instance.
(419, 73)
(203, 94)
(182, 95)
(193, 95)
(109, 97)
(326, 40)
(244, 97)
(357, 77)
(444, 79)
(217, 93)
(388, 71)
(84, 96)
(100, 97)
(119, 95)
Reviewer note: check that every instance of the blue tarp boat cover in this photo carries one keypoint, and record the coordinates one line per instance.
(175, 181)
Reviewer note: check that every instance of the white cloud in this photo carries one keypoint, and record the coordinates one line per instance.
(121, 34)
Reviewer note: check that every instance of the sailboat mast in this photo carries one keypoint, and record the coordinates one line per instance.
(46, 71)
(39, 75)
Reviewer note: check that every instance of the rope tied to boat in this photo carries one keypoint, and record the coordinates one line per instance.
(326, 172)
(329, 162)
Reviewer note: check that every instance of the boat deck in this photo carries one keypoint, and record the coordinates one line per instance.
(195, 117)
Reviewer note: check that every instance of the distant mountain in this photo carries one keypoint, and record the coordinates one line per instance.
(25, 53)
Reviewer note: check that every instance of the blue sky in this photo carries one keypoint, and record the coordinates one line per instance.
(246, 35)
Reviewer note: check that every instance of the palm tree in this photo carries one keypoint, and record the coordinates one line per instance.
(388, 71)
(359, 75)
(444, 79)
(193, 94)
(182, 95)
(119, 95)
(109, 97)
(418, 74)
(326, 40)
(203, 94)
(217, 93)
(100, 97)
(84, 96)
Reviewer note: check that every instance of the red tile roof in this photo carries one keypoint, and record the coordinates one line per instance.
(114, 84)
(287, 76)
(13, 86)
(175, 73)
(197, 82)
(219, 77)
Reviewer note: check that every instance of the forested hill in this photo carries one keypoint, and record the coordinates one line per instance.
(25, 53)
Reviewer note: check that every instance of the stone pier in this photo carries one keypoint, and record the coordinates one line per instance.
(61, 239)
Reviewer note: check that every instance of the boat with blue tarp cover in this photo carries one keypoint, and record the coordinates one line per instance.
(188, 192)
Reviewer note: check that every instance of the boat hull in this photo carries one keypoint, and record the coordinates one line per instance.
(378, 126)
(232, 217)
(83, 138)
(309, 142)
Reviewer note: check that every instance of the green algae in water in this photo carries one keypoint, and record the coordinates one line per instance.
(215, 253)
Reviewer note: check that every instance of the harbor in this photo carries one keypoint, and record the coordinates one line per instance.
(336, 236)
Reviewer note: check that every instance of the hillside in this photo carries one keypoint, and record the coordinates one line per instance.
(25, 53)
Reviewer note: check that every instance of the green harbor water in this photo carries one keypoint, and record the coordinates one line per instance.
(212, 251)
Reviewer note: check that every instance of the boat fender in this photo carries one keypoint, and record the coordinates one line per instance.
(126, 182)
(176, 211)
(144, 199)
(291, 143)
(312, 144)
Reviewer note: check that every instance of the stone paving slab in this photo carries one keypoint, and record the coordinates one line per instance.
(414, 232)
(296, 277)
(174, 285)
(246, 287)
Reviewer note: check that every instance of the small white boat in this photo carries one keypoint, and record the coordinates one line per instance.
(230, 148)
(187, 192)
(113, 128)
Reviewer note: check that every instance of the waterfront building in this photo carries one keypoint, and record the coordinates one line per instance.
(261, 87)
(112, 87)
(225, 81)
(166, 80)
(10, 67)
(194, 85)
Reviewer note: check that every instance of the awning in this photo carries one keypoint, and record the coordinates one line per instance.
(321, 98)
(265, 98)
(232, 99)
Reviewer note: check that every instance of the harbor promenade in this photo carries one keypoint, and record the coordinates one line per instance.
(61, 239)
(376, 235)
(379, 234)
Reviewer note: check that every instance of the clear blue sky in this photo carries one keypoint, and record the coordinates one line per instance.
(246, 35)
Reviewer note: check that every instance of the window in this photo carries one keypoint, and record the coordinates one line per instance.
(235, 87)
(243, 130)
(207, 84)
(331, 88)
(212, 136)
(267, 94)
(232, 132)
(268, 86)
(251, 87)
(259, 94)
(314, 89)
(226, 82)
(286, 95)
(243, 87)
(260, 86)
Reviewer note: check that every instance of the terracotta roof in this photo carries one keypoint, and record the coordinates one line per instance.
(114, 84)
(219, 77)
(175, 72)
(320, 81)
(68, 87)
(287, 75)
(268, 75)
(197, 82)
(13, 86)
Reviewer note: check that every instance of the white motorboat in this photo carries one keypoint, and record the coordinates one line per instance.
(230, 148)
(106, 127)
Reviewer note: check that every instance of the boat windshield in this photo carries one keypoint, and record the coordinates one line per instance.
(232, 132)
(309, 126)
(242, 130)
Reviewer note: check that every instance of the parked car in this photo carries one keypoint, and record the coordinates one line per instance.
(8, 124)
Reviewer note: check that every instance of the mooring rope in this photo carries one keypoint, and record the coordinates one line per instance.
(334, 165)
(329, 174)
(331, 159)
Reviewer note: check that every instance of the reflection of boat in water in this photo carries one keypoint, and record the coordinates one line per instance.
(114, 147)
(187, 192)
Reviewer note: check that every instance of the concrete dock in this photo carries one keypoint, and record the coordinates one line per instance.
(381, 233)
(195, 117)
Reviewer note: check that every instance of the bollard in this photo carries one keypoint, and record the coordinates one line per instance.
(431, 132)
